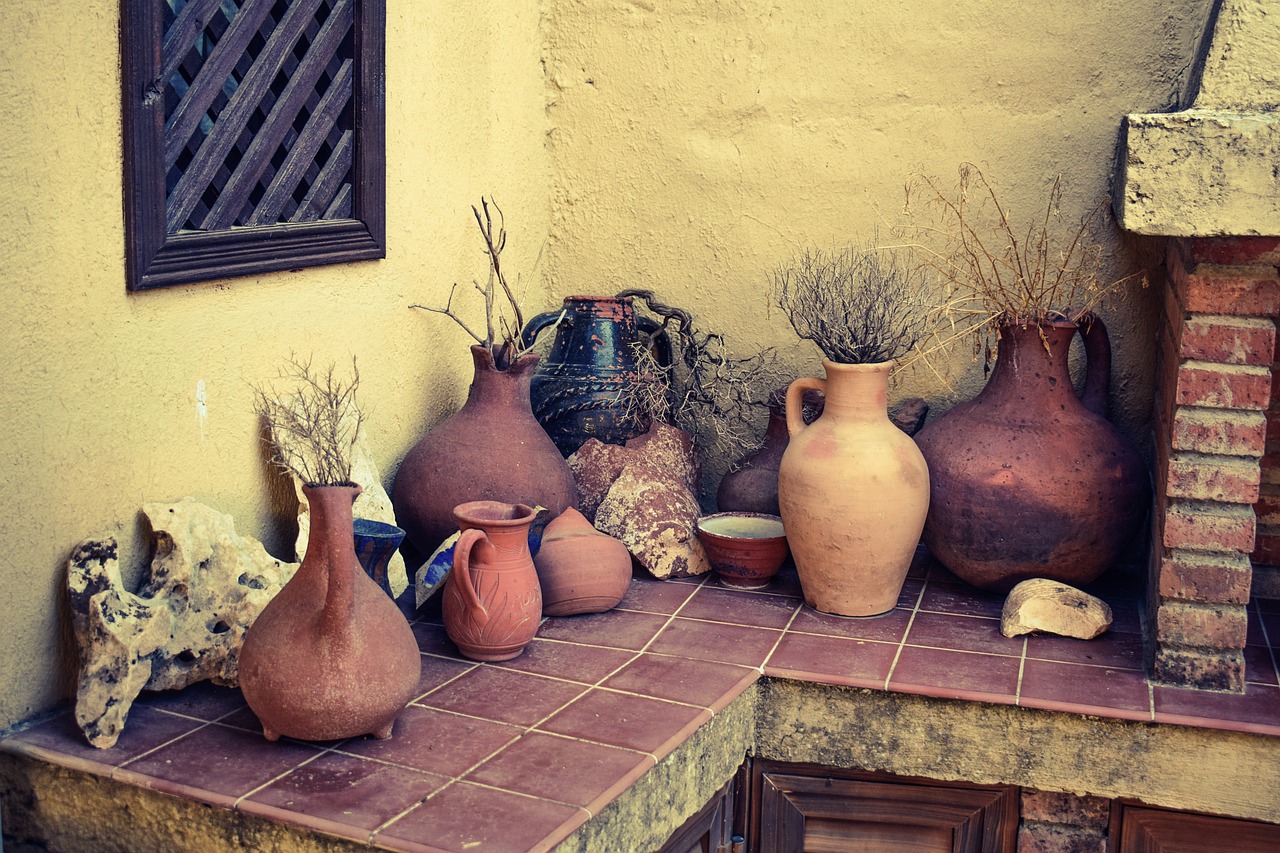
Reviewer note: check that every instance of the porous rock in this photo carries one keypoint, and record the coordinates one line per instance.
(596, 465)
(654, 514)
(373, 503)
(205, 586)
(1040, 604)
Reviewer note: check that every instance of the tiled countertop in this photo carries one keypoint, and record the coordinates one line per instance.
(530, 749)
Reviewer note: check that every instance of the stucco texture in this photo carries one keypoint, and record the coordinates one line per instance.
(684, 146)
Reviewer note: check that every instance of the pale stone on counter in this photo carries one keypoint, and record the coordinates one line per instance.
(654, 514)
(205, 587)
(1046, 605)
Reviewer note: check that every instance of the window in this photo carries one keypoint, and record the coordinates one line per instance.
(254, 136)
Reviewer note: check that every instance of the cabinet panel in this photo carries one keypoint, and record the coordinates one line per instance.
(821, 810)
(1148, 830)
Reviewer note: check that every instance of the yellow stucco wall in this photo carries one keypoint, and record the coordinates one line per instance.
(686, 146)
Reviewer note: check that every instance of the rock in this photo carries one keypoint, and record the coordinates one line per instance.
(596, 465)
(374, 503)
(1046, 605)
(205, 587)
(654, 514)
(669, 448)
(909, 415)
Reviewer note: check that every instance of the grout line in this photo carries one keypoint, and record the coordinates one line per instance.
(1266, 637)
(1022, 666)
(768, 657)
(240, 799)
(444, 684)
(414, 807)
(906, 632)
(169, 742)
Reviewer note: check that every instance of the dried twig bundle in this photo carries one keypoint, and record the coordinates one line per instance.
(860, 305)
(314, 425)
(502, 315)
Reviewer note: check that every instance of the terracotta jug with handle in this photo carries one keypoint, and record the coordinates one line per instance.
(492, 601)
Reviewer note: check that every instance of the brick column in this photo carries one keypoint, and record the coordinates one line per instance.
(1214, 386)
(1062, 823)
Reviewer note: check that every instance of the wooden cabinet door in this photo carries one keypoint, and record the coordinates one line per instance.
(712, 830)
(1146, 830)
(822, 810)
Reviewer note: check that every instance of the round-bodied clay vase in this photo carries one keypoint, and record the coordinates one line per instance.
(331, 656)
(752, 483)
(491, 449)
(1029, 480)
(581, 570)
(492, 601)
(853, 490)
(746, 549)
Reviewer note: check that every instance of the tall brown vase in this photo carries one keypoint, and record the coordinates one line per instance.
(853, 490)
(330, 656)
(491, 449)
(1030, 480)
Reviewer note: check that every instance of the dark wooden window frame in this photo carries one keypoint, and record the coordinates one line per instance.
(155, 258)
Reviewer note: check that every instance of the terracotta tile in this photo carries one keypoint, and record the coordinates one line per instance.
(1261, 629)
(1117, 651)
(1259, 666)
(436, 741)
(491, 693)
(1256, 710)
(464, 818)
(655, 596)
(960, 599)
(242, 719)
(1125, 618)
(909, 597)
(956, 675)
(563, 769)
(633, 722)
(60, 739)
(921, 561)
(963, 633)
(1267, 605)
(1084, 689)
(433, 640)
(203, 700)
(437, 671)
(704, 683)
(570, 661)
(740, 608)
(785, 582)
(832, 660)
(617, 629)
(716, 641)
(342, 794)
(223, 761)
(886, 628)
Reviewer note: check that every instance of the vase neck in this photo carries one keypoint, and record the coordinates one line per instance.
(857, 392)
(493, 387)
(331, 548)
(1031, 360)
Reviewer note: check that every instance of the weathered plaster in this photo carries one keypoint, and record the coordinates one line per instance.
(1214, 169)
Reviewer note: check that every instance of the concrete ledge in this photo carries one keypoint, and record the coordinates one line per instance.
(1200, 174)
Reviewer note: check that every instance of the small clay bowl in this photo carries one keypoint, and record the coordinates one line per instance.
(745, 548)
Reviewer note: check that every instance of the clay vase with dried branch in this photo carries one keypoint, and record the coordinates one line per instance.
(330, 656)
(1030, 480)
(853, 491)
(491, 449)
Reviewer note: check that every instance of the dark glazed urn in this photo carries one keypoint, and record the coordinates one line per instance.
(491, 449)
(330, 656)
(580, 390)
(1029, 480)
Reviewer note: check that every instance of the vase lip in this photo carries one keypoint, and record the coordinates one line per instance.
(483, 358)
(859, 367)
(1046, 321)
(308, 488)
(494, 513)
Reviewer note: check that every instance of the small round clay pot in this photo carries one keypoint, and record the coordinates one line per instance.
(746, 548)
(581, 569)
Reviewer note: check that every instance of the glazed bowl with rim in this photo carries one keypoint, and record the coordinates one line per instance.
(745, 548)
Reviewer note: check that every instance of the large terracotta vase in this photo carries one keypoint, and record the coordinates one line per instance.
(330, 656)
(580, 390)
(1030, 480)
(492, 601)
(491, 449)
(853, 491)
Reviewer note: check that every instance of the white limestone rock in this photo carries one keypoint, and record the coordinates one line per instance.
(1040, 604)
(205, 587)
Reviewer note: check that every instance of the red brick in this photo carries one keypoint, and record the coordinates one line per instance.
(1218, 627)
(1209, 527)
(1228, 340)
(1199, 668)
(1207, 578)
(1266, 547)
(1175, 316)
(1225, 479)
(1251, 290)
(1058, 807)
(1233, 250)
(1270, 465)
(1218, 432)
(1223, 386)
(1267, 508)
(1053, 838)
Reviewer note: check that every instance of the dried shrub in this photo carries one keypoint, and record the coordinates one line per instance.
(314, 424)
(860, 305)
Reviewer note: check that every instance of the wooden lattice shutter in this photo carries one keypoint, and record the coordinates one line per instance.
(254, 135)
